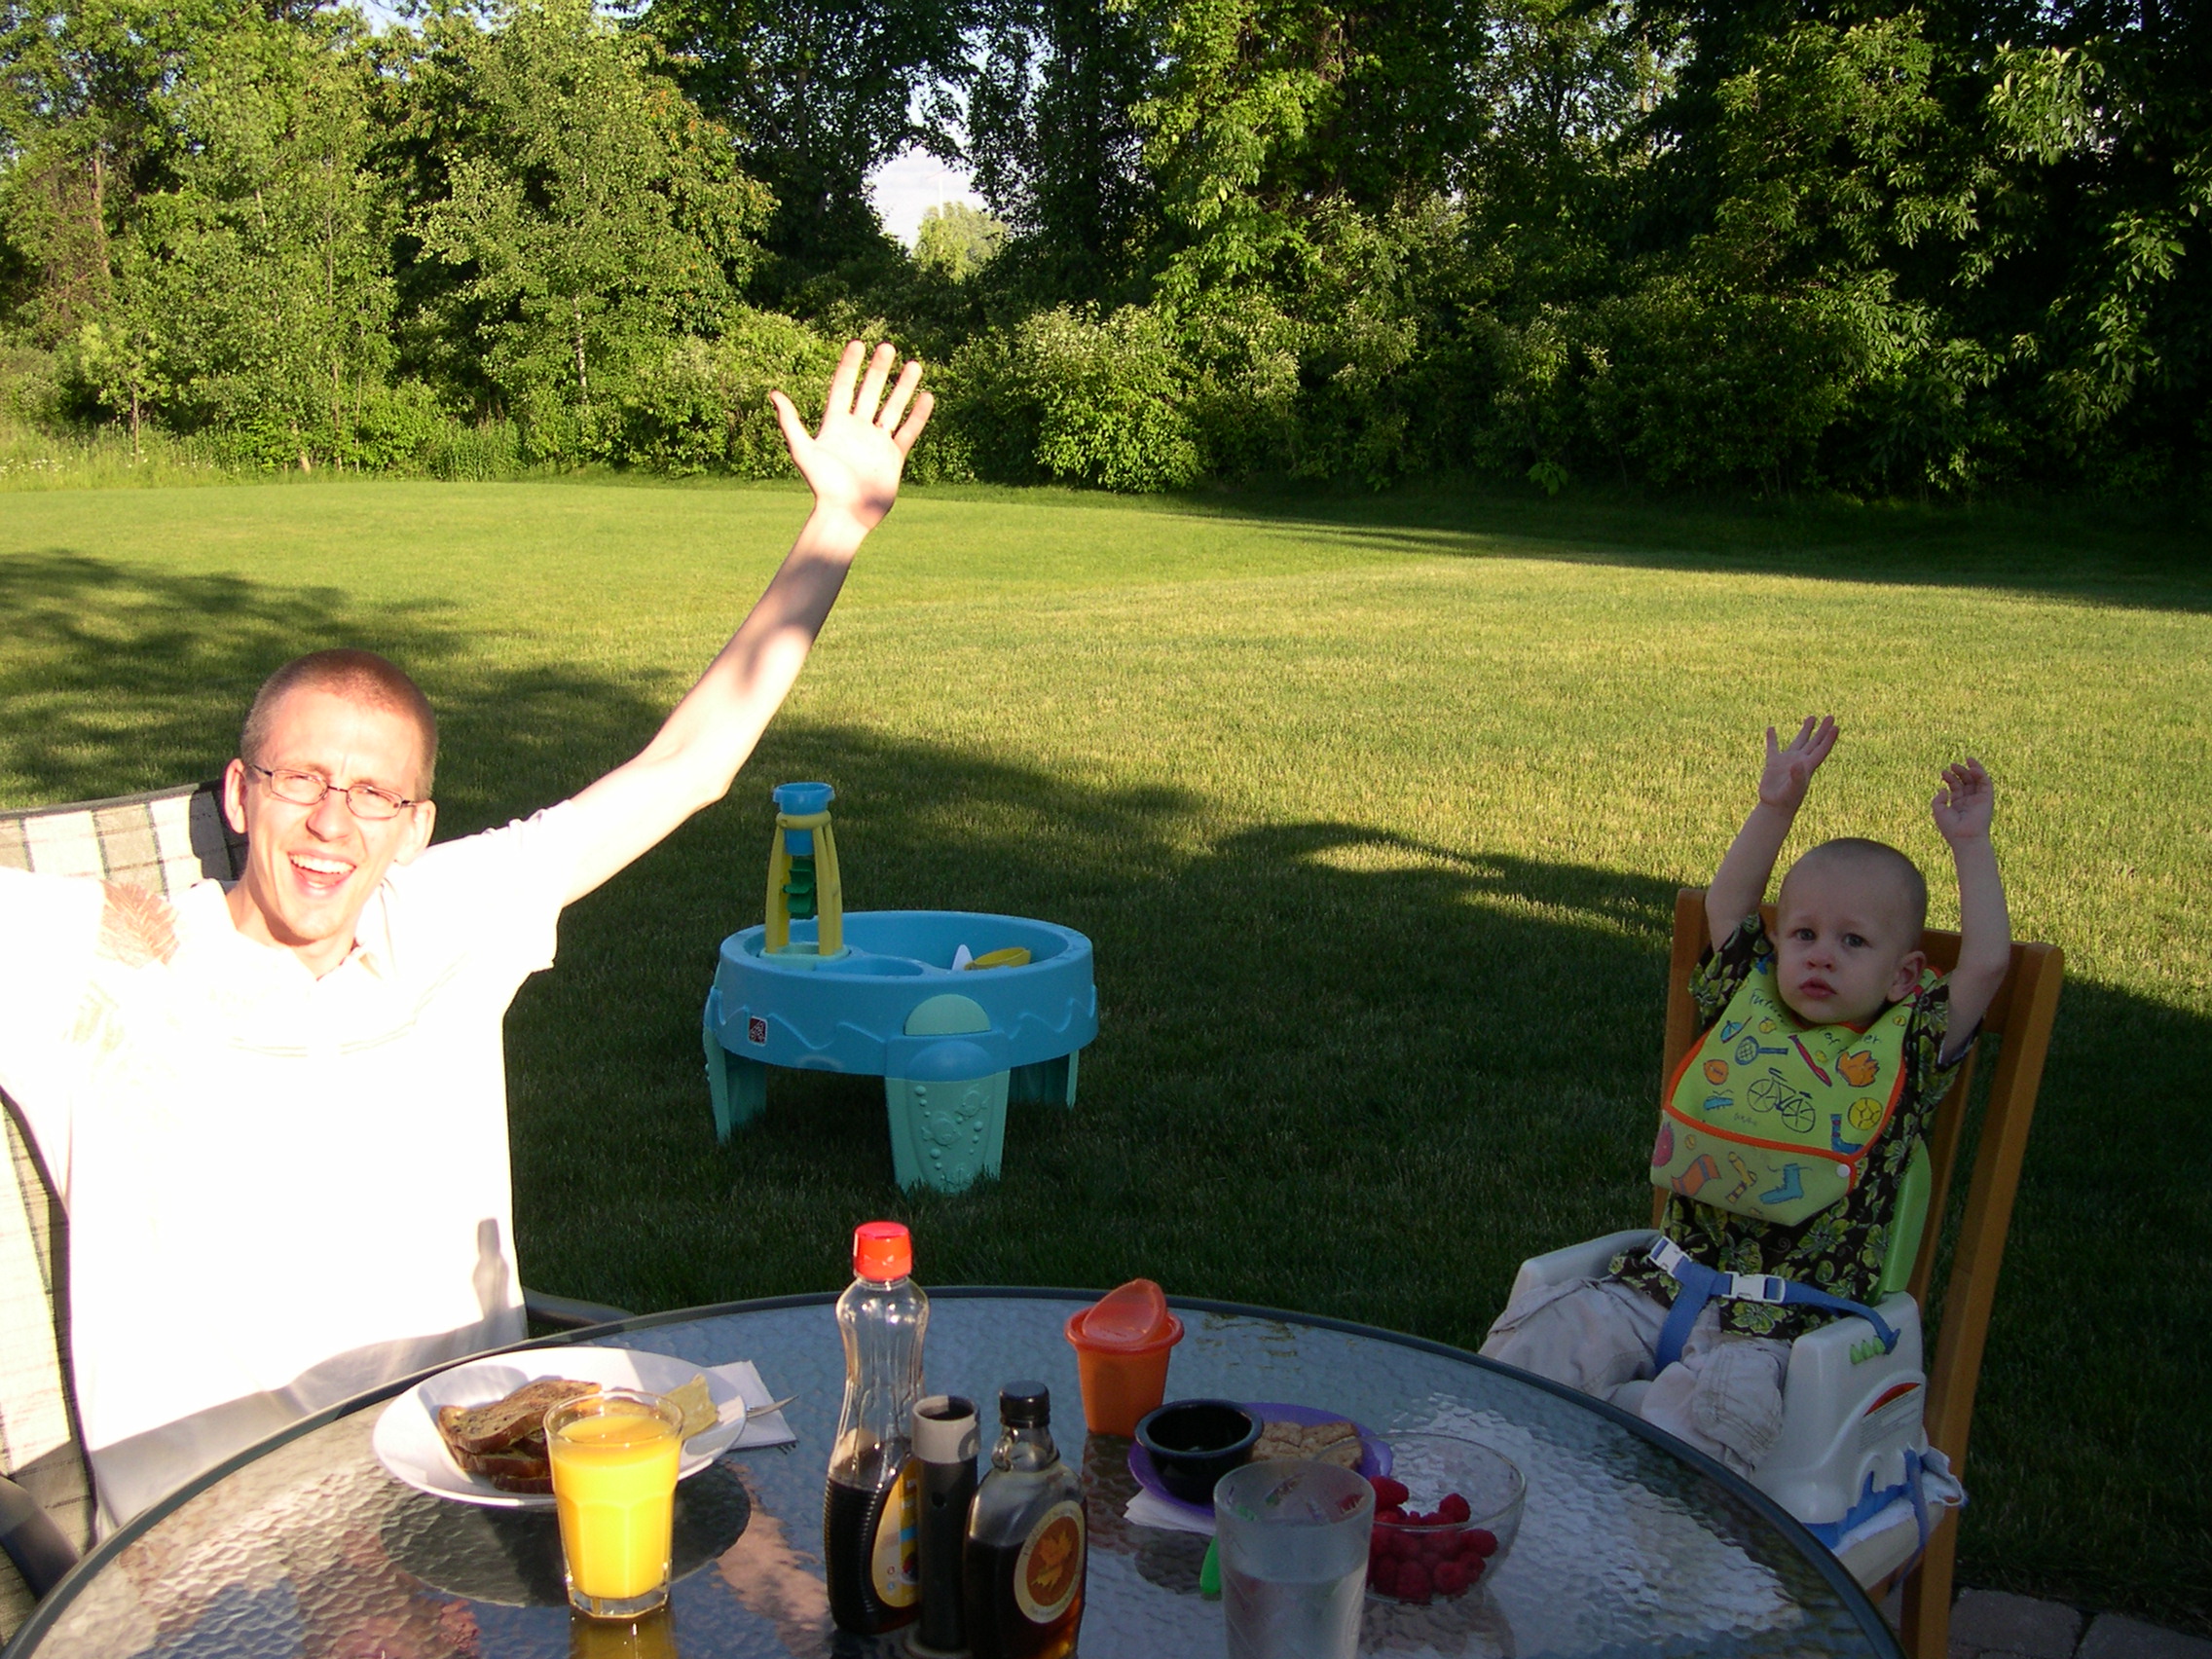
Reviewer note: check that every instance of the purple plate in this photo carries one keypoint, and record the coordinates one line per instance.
(1374, 1452)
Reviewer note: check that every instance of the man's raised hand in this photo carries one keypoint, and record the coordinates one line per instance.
(1790, 767)
(854, 462)
(1965, 803)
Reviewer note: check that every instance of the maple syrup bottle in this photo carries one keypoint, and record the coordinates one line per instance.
(1027, 1539)
(869, 1503)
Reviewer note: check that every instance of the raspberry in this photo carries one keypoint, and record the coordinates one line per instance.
(1388, 1494)
(1414, 1582)
(1451, 1578)
(1484, 1541)
(1393, 1516)
(1383, 1576)
(1454, 1508)
(1435, 1547)
(1469, 1547)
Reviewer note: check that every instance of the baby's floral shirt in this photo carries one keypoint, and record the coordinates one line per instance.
(1841, 1249)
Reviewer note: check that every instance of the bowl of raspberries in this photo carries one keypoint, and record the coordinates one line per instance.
(1445, 1516)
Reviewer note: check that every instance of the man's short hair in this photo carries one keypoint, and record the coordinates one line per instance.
(362, 677)
(1878, 861)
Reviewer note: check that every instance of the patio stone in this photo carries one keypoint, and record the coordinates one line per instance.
(2115, 1636)
(1997, 1622)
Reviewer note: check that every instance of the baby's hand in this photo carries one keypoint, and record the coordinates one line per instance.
(1963, 806)
(1790, 767)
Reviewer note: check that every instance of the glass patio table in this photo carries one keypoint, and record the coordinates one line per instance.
(1630, 1543)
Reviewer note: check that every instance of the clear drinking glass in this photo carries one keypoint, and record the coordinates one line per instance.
(1292, 1539)
(614, 1457)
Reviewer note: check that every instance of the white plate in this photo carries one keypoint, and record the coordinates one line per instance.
(411, 1449)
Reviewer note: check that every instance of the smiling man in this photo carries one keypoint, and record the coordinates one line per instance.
(277, 1112)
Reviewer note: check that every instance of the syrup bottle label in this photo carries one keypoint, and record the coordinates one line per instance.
(895, 1567)
(1049, 1570)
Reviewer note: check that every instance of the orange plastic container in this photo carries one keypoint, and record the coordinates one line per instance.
(1122, 1368)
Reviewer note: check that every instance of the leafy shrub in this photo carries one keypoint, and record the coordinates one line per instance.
(31, 385)
(396, 428)
(492, 449)
(1068, 397)
(1247, 353)
(703, 404)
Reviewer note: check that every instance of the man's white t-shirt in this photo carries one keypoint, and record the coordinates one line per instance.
(281, 1190)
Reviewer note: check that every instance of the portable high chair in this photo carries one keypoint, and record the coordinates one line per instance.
(1858, 1419)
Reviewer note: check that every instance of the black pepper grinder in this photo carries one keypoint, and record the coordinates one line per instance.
(945, 1444)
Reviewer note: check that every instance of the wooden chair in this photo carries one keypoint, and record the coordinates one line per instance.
(163, 841)
(2020, 1016)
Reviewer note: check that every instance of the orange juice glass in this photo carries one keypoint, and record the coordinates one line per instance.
(614, 1458)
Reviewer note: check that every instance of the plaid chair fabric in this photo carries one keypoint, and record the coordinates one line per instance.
(163, 841)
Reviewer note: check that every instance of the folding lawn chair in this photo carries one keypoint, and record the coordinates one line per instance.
(1844, 1392)
(163, 841)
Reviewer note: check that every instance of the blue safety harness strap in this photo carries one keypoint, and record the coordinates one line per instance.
(1701, 1284)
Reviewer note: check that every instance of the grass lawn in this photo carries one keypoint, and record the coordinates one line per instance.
(1375, 811)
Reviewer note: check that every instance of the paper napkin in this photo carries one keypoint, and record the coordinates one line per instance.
(1147, 1510)
(768, 1430)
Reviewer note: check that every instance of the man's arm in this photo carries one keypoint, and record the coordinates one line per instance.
(853, 465)
(1962, 809)
(1740, 883)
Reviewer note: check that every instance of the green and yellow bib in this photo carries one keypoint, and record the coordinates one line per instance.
(1773, 1118)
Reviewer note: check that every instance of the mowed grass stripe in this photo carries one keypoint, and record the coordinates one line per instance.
(1375, 810)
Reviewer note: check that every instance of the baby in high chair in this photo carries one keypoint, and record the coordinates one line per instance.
(1786, 1130)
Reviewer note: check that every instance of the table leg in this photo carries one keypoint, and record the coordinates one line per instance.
(1050, 1083)
(738, 1085)
(944, 1134)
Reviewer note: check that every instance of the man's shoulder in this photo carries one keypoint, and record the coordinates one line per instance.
(498, 890)
(544, 836)
(39, 899)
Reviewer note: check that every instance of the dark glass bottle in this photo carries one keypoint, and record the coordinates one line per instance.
(1028, 1541)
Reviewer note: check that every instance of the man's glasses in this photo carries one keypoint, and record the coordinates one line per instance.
(306, 789)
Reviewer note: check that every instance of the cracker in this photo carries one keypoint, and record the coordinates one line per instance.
(696, 1405)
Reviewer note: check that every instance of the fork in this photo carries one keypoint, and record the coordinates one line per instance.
(725, 1414)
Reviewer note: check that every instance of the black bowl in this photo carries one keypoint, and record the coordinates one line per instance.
(1193, 1443)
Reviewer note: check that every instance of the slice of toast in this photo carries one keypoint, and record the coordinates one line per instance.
(497, 1426)
(1336, 1442)
(523, 1468)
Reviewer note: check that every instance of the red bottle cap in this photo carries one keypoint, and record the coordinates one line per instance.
(882, 1250)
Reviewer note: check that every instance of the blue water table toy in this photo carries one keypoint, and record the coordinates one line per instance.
(958, 1011)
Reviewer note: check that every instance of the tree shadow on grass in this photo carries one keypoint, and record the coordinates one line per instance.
(2079, 550)
(119, 677)
(1341, 1070)
(1338, 1069)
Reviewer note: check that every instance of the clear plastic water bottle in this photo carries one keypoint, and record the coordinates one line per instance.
(870, 1507)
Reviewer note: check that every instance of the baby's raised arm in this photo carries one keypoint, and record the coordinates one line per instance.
(1740, 883)
(1962, 809)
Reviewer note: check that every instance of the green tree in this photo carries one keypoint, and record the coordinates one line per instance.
(593, 213)
(818, 92)
(82, 132)
(1051, 130)
(956, 239)
(260, 278)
